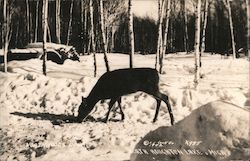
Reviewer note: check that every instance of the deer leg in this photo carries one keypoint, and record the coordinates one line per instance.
(164, 98)
(111, 103)
(119, 104)
(157, 109)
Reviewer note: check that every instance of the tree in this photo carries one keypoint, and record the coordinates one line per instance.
(28, 20)
(37, 20)
(131, 35)
(58, 21)
(248, 27)
(92, 34)
(186, 45)
(70, 22)
(5, 33)
(103, 36)
(165, 35)
(45, 25)
(231, 27)
(197, 43)
(207, 2)
(159, 41)
(84, 17)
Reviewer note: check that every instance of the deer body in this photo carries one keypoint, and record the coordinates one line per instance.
(115, 84)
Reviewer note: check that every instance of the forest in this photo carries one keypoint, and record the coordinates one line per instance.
(69, 23)
(124, 86)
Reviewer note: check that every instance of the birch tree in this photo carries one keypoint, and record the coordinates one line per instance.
(207, 2)
(231, 27)
(58, 21)
(165, 35)
(103, 36)
(28, 20)
(84, 34)
(45, 25)
(5, 33)
(92, 34)
(131, 35)
(248, 27)
(159, 40)
(37, 20)
(70, 22)
(184, 12)
(197, 42)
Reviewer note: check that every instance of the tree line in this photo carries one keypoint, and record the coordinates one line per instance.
(110, 26)
(69, 21)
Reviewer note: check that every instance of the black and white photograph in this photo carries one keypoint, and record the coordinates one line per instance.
(124, 80)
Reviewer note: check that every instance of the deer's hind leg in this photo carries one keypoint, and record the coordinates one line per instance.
(166, 100)
(160, 96)
(119, 104)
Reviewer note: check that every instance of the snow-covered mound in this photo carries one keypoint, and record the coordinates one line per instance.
(35, 110)
(217, 131)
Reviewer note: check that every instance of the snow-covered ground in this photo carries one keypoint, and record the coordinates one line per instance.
(33, 105)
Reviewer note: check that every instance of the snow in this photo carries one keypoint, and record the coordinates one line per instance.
(32, 105)
(215, 131)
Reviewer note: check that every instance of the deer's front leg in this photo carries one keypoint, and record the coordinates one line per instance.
(111, 103)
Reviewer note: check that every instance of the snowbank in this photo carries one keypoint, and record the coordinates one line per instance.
(32, 105)
(213, 132)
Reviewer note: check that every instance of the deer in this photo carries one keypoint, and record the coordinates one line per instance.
(117, 83)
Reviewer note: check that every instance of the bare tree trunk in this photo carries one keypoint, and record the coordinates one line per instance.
(186, 28)
(165, 35)
(159, 41)
(92, 34)
(49, 33)
(86, 30)
(112, 38)
(231, 28)
(5, 34)
(248, 27)
(58, 21)
(70, 22)
(37, 19)
(207, 2)
(17, 34)
(197, 43)
(45, 25)
(28, 20)
(84, 25)
(104, 45)
(131, 35)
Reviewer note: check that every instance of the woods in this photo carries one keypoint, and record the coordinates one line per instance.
(98, 26)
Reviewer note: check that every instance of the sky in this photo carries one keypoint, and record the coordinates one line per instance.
(143, 8)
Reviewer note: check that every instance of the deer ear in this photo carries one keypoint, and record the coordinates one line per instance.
(83, 99)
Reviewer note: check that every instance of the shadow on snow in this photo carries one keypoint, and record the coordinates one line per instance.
(57, 119)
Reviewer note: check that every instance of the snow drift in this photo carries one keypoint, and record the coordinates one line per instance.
(217, 131)
(31, 105)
